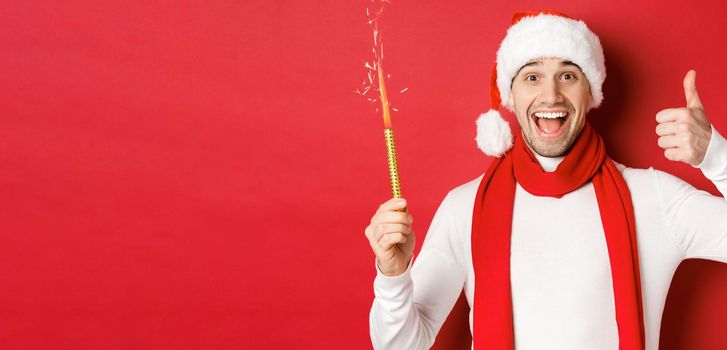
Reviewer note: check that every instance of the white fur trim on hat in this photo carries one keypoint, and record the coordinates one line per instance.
(548, 35)
(493, 134)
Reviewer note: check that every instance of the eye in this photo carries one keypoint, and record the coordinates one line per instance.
(569, 76)
(530, 77)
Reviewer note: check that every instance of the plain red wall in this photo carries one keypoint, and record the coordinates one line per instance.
(198, 174)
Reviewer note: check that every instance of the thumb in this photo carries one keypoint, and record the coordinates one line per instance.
(690, 90)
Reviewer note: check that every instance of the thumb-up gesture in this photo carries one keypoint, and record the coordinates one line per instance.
(684, 133)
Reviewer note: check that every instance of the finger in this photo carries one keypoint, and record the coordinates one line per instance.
(690, 90)
(670, 115)
(384, 229)
(392, 217)
(393, 204)
(391, 239)
(669, 141)
(382, 252)
(670, 128)
(369, 232)
(674, 154)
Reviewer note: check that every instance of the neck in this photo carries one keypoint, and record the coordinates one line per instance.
(549, 164)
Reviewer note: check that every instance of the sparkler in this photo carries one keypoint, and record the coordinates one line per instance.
(379, 83)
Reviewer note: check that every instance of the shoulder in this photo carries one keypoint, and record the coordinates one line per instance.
(462, 197)
(639, 179)
(455, 210)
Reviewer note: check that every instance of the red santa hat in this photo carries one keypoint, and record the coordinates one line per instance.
(533, 35)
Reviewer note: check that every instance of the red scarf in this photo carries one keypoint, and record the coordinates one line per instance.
(492, 226)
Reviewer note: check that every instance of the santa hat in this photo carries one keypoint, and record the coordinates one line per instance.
(537, 34)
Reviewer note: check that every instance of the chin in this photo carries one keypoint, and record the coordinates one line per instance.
(550, 149)
(551, 153)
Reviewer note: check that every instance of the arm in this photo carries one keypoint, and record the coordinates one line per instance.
(409, 309)
(714, 165)
(696, 219)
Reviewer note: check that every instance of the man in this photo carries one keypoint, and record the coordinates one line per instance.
(570, 249)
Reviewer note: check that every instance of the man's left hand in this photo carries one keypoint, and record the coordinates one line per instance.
(685, 132)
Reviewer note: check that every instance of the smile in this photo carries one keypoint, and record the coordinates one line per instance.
(550, 124)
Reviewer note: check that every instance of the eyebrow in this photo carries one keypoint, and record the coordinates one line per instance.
(540, 63)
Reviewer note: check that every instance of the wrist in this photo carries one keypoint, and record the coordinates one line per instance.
(396, 270)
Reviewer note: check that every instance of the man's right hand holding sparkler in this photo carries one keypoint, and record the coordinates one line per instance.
(391, 237)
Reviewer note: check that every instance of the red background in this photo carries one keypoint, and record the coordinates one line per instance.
(198, 174)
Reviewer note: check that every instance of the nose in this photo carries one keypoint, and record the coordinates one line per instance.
(551, 93)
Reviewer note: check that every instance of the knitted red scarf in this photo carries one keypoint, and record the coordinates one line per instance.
(492, 225)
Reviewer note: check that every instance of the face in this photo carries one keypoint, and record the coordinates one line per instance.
(550, 98)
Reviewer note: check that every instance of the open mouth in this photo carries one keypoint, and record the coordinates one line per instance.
(550, 124)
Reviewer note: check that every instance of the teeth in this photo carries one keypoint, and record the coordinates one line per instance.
(550, 115)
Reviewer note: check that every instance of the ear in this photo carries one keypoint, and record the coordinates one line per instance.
(510, 102)
(591, 103)
(591, 100)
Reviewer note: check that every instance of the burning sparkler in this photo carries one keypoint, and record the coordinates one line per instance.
(377, 81)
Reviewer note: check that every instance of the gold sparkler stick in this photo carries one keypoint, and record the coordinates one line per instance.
(393, 168)
(389, 135)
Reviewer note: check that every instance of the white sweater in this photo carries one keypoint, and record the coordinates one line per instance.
(562, 290)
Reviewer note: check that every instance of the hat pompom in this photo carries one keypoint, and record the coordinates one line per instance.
(493, 134)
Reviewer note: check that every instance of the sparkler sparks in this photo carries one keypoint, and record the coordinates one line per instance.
(379, 84)
(376, 79)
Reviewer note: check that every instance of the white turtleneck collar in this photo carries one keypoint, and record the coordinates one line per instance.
(549, 164)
